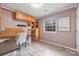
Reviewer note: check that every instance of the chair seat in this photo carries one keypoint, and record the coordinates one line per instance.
(22, 38)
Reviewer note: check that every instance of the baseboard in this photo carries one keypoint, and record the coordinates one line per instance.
(73, 49)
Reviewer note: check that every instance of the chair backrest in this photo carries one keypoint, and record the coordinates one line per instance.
(22, 37)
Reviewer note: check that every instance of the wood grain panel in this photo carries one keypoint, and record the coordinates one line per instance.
(11, 32)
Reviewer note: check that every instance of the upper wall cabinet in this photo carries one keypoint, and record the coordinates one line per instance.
(6, 20)
(21, 16)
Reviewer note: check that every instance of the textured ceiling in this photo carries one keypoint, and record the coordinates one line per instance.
(46, 8)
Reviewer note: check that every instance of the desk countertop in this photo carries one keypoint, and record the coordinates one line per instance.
(11, 32)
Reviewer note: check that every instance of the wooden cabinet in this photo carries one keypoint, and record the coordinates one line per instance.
(0, 18)
(27, 18)
(19, 16)
(8, 26)
(33, 20)
(37, 34)
(6, 19)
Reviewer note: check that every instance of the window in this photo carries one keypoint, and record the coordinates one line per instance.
(54, 24)
(50, 25)
(64, 24)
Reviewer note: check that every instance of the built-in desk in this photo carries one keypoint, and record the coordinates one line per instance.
(7, 37)
(10, 33)
(8, 43)
(7, 46)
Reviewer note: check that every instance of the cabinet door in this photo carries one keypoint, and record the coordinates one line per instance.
(0, 18)
(6, 18)
(19, 16)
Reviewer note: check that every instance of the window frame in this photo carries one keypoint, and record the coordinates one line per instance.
(45, 23)
(64, 27)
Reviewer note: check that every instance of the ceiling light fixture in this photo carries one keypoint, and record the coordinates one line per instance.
(36, 5)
